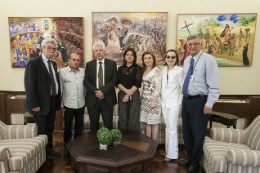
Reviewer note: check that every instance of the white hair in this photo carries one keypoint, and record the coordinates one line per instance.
(48, 40)
(191, 37)
(98, 44)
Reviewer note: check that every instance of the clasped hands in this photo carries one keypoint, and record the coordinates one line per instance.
(37, 109)
(128, 93)
(99, 95)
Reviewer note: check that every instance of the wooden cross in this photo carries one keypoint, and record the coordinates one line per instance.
(186, 26)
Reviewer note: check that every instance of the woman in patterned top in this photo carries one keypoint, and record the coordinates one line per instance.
(172, 82)
(150, 99)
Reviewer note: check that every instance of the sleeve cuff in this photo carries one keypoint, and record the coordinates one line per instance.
(209, 104)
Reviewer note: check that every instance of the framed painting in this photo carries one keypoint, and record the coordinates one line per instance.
(229, 38)
(141, 31)
(27, 34)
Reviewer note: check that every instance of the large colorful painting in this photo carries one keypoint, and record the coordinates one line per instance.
(227, 37)
(27, 33)
(141, 31)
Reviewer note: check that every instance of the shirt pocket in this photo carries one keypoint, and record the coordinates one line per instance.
(199, 75)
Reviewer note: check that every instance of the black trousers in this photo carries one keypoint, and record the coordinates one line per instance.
(129, 112)
(68, 119)
(46, 123)
(194, 128)
(106, 112)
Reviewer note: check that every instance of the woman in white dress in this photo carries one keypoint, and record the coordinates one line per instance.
(172, 82)
(150, 100)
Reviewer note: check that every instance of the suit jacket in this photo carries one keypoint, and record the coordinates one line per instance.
(109, 86)
(37, 83)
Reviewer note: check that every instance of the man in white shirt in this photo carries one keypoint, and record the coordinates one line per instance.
(72, 97)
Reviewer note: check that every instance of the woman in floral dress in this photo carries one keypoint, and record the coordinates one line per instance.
(151, 99)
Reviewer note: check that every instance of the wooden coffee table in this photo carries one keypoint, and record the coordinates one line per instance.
(134, 153)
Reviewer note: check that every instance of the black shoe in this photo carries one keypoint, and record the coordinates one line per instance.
(47, 163)
(53, 154)
(184, 162)
(192, 170)
(66, 152)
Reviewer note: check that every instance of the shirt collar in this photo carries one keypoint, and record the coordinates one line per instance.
(198, 55)
(172, 68)
(44, 58)
(101, 61)
(69, 69)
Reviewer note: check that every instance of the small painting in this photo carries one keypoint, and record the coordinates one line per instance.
(229, 38)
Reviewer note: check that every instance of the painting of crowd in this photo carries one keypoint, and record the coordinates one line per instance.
(26, 35)
(227, 37)
(141, 31)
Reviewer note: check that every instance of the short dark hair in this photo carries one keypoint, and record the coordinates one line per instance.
(177, 56)
(134, 53)
(154, 60)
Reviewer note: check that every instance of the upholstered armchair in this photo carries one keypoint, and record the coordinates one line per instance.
(21, 150)
(233, 150)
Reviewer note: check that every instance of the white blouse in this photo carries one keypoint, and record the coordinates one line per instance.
(171, 88)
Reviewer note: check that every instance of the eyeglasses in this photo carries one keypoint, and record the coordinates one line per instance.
(195, 44)
(168, 57)
(50, 48)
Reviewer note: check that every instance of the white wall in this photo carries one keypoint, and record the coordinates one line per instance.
(233, 80)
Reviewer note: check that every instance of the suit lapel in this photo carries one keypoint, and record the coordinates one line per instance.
(55, 68)
(94, 69)
(44, 67)
(106, 69)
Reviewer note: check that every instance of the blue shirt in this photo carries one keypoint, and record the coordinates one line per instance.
(45, 61)
(206, 78)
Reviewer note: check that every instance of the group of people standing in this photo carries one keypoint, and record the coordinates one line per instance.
(190, 91)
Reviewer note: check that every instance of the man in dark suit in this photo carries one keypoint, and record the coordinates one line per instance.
(42, 93)
(100, 81)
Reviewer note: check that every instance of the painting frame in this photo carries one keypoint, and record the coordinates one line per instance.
(123, 24)
(27, 33)
(229, 51)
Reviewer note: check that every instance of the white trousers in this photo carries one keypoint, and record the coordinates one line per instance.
(171, 117)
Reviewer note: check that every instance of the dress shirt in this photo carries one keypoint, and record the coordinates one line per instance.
(171, 89)
(206, 78)
(45, 61)
(103, 67)
(72, 88)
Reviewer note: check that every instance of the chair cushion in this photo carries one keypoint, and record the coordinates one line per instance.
(23, 150)
(216, 153)
(2, 128)
(253, 134)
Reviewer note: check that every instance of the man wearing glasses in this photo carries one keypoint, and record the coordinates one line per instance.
(42, 93)
(72, 97)
(200, 92)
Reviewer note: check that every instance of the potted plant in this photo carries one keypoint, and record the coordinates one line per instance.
(104, 138)
(116, 135)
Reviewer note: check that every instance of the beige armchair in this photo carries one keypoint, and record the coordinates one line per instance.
(21, 150)
(233, 150)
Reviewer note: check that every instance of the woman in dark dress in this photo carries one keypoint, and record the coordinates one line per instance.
(245, 58)
(129, 81)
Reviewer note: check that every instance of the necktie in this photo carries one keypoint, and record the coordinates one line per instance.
(100, 76)
(53, 88)
(187, 79)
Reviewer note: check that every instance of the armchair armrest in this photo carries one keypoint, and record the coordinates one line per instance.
(4, 157)
(236, 136)
(20, 131)
(244, 157)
